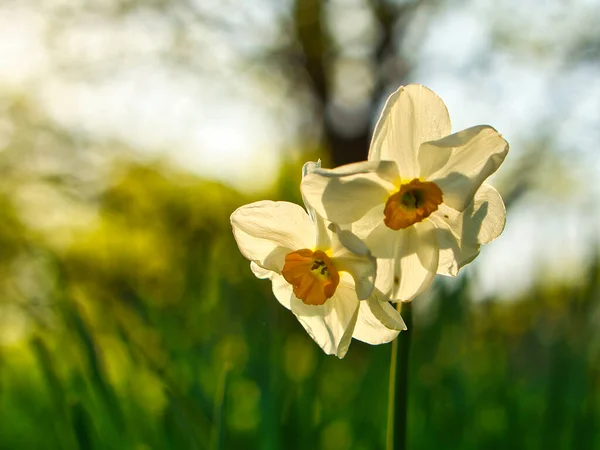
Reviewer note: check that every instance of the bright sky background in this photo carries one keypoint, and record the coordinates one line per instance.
(223, 126)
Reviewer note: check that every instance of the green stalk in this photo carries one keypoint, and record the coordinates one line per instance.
(216, 440)
(398, 386)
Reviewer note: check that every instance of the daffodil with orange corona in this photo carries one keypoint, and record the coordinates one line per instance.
(323, 274)
(420, 202)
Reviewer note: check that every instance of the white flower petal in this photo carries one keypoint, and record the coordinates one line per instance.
(384, 312)
(382, 241)
(412, 115)
(417, 256)
(366, 224)
(459, 235)
(351, 255)
(387, 170)
(310, 166)
(486, 216)
(377, 236)
(454, 254)
(345, 194)
(331, 325)
(459, 163)
(346, 240)
(362, 268)
(321, 231)
(370, 330)
(266, 231)
(386, 271)
(322, 234)
(282, 290)
(260, 272)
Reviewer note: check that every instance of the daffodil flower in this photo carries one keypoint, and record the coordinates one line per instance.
(419, 202)
(323, 274)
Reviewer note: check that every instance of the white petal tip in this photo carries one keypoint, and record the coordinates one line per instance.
(310, 167)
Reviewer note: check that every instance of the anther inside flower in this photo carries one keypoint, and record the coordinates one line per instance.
(414, 202)
(312, 275)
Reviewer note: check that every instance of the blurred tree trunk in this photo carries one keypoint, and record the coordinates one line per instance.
(317, 56)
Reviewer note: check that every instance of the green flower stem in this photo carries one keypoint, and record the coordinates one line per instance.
(216, 441)
(398, 386)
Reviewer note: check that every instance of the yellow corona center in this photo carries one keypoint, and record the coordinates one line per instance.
(312, 275)
(412, 203)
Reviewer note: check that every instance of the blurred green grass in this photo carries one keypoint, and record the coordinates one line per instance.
(150, 332)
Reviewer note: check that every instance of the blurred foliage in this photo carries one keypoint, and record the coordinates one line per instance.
(148, 330)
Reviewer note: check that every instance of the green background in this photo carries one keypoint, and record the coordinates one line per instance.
(151, 332)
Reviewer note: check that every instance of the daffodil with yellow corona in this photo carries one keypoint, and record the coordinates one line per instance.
(420, 202)
(323, 274)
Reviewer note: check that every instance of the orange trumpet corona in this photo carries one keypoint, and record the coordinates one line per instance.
(312, 275)
(414, 202)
